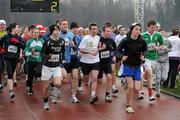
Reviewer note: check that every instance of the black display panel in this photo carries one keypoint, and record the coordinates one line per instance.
(35, 6)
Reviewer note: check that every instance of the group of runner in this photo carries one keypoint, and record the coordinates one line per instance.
(57, 55)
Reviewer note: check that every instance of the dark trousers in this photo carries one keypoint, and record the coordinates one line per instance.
(25, 66)
(34, 70)
(1, 66)
(173, 70)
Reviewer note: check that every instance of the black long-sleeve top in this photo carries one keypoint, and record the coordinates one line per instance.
(109, 52)
(12, 45)
(53, 52)
(133, 49)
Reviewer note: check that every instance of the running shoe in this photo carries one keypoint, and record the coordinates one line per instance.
(74, 100)
(54, 100)
(11, 95)
(93, 99)
(114, 92)
(141, 95)
(130, 110)
(30, 92)
(46, 106)
(1, 87)
(158, 95)
(108, 98)
(151, 98)
(14, 83)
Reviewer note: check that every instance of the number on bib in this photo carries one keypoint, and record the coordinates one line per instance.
(12, 49)
(105, 54)
(54, 58)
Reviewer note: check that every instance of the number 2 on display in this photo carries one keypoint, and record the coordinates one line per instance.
(53, 6)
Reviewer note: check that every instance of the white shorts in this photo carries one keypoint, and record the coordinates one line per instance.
(149, 64)
(48, 72)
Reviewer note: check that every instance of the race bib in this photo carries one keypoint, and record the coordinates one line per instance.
(105, 54)
(12, 49)
(54, 58)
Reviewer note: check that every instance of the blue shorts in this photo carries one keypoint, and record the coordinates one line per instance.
(134, 72)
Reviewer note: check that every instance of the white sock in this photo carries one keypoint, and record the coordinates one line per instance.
(73, 96)
(93, 93)
(141, 91)
(113, 87)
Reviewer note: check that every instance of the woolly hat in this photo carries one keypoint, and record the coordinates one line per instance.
(43, 29)
(39, 26)
(2, 22)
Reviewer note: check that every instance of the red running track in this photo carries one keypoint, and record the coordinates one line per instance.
(27, 107)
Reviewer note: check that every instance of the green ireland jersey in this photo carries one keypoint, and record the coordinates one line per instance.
(153, 41)
(34, 44)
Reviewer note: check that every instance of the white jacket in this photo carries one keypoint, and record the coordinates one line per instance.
(175, 42)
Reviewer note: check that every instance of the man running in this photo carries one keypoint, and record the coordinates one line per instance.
(90, 59)
(154, 41)
(134, 48)
(106, 45)
(53, 54)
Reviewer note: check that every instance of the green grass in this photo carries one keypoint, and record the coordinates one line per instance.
(175, 91)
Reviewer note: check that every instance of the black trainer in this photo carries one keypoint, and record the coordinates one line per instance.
(11, 95)
(108, 97)
(30, 92)
(14, 83)
(1, 87)
(93, 99)
(114, 91)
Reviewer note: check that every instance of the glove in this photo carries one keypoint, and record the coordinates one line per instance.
(2, 50)
(14, 40)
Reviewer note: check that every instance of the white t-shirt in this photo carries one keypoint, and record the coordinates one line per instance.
(90, 43)
(175, 43)
(118, 39)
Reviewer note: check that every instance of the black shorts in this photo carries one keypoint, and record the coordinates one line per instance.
(74, 64)
(112, 62)
(86, 68)
(10, 67)
(104, 68)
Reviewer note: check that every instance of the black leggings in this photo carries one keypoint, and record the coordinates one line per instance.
(34, 70)
(173, 70)
(10, 67)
